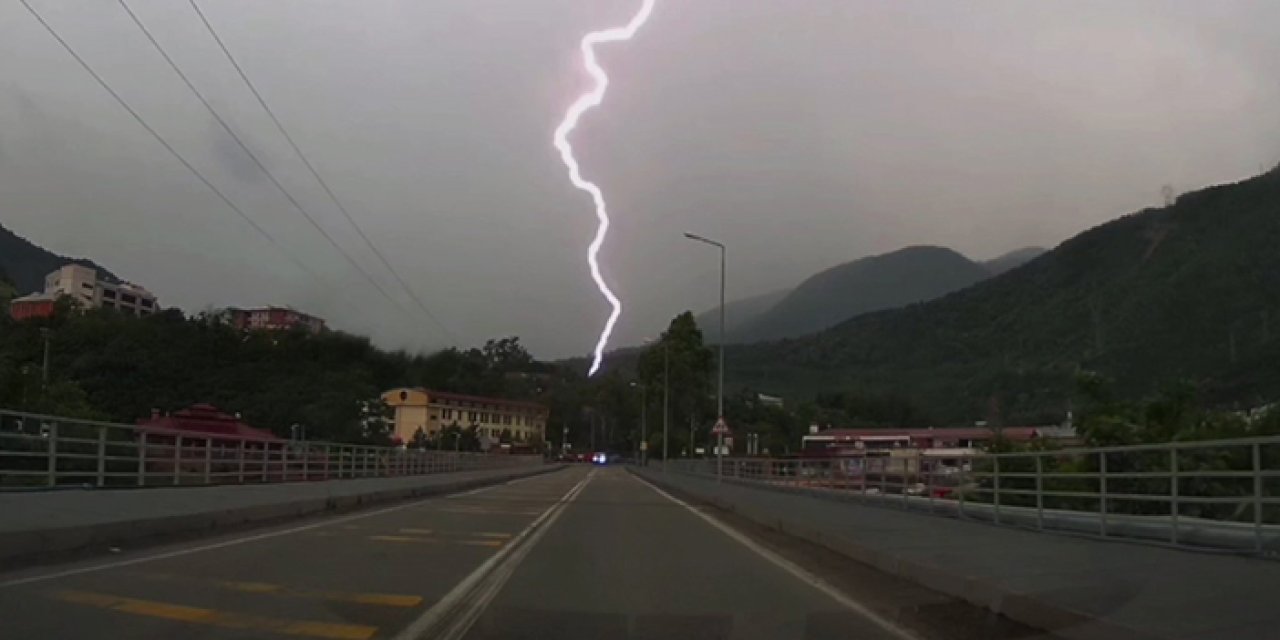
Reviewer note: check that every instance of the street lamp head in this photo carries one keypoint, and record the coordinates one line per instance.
(698, 238)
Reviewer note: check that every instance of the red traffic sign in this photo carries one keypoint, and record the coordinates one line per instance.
(721, 427)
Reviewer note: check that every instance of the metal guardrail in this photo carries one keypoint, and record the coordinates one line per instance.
(49, 451)
(1221, 494)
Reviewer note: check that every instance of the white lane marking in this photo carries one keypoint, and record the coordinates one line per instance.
(790, 567)
(218, 545)
(469, 598)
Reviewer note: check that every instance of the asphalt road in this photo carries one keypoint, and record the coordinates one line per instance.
(581, 553)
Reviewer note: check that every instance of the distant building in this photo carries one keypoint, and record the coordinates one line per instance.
(202, 420)
(82, 285)
(769, 401)
(36, 305)
(967, 440)
(274, 319)
(431, 411)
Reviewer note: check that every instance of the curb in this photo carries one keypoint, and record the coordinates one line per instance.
(989, 595)
(25, 548)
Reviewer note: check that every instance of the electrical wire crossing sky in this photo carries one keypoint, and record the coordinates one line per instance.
(586, 101)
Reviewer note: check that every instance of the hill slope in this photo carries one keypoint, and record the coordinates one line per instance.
(27, 264)
(1191, 291)
(736, 314)
(1012, 260)
(878, 282)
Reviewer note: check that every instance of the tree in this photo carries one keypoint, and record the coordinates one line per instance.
(691, 364)
(8, 290)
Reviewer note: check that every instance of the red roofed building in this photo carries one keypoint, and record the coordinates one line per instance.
(36, 305)
(274, 319)
(201, 420)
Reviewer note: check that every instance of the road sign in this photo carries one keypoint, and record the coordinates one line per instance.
(721, 427)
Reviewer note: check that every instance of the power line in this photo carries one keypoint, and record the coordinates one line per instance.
(168, 147)
(314, 173)
(226, 127)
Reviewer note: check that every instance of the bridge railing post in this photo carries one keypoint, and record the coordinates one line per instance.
(208, 460)
(1257, 497)
(995, 486)
(101, 479)
(177, 460)
(906, 475)
(928, 470)
(1102, 494)
(1174, 507)
(240, 449)
(1039, 493)
(142, 459)
(51, 452)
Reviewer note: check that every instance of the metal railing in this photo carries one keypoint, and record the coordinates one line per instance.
(1219, 494)
(49, 451)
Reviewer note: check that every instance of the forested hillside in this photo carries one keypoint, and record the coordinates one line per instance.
(116, 367)
(1186, 292)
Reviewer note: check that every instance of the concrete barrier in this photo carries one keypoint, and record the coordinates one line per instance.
(1035, 607)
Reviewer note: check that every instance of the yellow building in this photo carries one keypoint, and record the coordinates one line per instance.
(433, 410)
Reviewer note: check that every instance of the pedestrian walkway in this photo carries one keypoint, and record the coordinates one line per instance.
(46, 525)
(1074, 587)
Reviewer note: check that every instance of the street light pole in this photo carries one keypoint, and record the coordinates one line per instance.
(666, 398)
(644, 425)
(720, 385)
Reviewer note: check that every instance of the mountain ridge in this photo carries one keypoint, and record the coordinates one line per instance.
(27, 263)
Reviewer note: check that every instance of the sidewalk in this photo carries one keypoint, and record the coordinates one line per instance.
(1073, 587)
(49, 525)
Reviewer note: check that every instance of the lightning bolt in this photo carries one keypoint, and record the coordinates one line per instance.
(586, 101)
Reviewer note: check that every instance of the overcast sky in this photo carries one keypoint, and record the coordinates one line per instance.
(802, 133)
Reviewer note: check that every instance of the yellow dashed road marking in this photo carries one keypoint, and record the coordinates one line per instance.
(401, 539)
(243, 586)
(481, 511)
(383, 599)
(418, 539)
(223, 619)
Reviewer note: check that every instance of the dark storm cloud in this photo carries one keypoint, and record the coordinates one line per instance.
(802, 134)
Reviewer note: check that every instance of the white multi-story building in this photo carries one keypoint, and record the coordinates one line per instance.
(82, 284)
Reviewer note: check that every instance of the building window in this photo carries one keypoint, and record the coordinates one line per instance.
(109, 294)
(112, 305)
(128, 298)
(146, 304)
